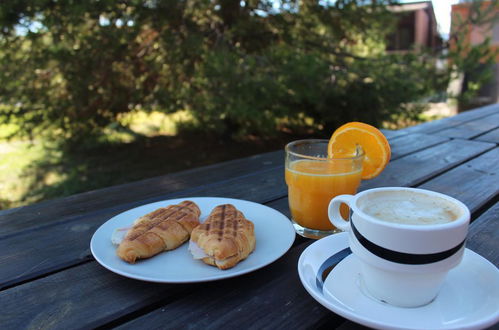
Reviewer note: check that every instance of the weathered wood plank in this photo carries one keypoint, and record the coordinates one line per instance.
(417, 167)
(280, 205)
(483, 235)
(152, 189)
(474, 183)
(285, 296)
(410, 143)
(472, 128)
(350, 325)
(437, 125)
(88, 295)
(247, 304)
(260, 187)
(144, 191)
(492, 136)
(82, 297)
(205, 301)
(76, 231)
(149, 190)
(31, 260)
(391, 134)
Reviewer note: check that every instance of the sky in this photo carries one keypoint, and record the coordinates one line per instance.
(442, 10)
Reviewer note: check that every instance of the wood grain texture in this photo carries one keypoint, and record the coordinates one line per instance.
(143, 191)
(281, 205)
(272, 298)
(137, 193)
(262, 187)
(48, 279)
(438, 125)
(391, 134)
(410, 143)
(472, 128)
(474, 183)
(284, 296)
(82, 297)
(420, 166)
(483, 235)
(350, 325)
(492, 136)
(76, 232)
(21, 260)
(88, 295)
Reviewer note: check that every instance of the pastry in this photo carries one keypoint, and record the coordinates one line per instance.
(225, 238)
(163, 229)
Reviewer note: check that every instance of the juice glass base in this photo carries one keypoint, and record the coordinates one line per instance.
(313, 233)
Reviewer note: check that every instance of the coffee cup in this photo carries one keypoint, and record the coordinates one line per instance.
(406, 239)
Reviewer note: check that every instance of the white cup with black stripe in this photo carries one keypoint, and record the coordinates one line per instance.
(406, 239)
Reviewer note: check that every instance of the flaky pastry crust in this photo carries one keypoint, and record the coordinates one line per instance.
(163, 229)
(226, 236)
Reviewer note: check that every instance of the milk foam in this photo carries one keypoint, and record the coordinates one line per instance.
(409, 208)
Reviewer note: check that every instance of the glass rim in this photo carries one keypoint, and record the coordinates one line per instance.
(359, 152)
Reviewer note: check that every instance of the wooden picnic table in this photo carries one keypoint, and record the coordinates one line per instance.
(49, 279)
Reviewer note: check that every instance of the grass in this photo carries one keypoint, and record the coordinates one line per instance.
(32, 172)
(15, 158)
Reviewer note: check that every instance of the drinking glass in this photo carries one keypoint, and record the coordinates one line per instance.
(313, 180)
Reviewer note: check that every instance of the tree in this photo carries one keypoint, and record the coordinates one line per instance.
(473, 60)
(69, 69)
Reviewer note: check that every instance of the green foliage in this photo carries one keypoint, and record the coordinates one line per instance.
(69, 69)
(474, 62)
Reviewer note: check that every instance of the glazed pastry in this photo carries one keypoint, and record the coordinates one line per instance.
(163, 229)
(225, 238)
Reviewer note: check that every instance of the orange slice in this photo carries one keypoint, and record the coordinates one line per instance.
(375, 145)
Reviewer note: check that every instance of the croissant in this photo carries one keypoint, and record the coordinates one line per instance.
(226, 237)
(163, 229)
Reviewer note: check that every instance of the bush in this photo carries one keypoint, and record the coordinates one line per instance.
(238, 67)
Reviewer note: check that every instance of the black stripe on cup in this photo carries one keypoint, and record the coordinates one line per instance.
(401, 257)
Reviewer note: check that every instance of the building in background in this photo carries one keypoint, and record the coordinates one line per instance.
(475, 35)
(416, 27)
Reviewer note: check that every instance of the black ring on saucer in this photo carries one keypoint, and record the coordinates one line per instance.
(401, 257)
(328, 265)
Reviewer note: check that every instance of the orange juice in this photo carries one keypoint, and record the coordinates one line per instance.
(313, 183)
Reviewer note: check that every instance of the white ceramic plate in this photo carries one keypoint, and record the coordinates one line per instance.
(469, 298)
(274, 236)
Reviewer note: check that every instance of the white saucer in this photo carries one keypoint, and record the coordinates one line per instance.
(469, 298)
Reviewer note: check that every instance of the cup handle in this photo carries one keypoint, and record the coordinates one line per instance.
(334, 213)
